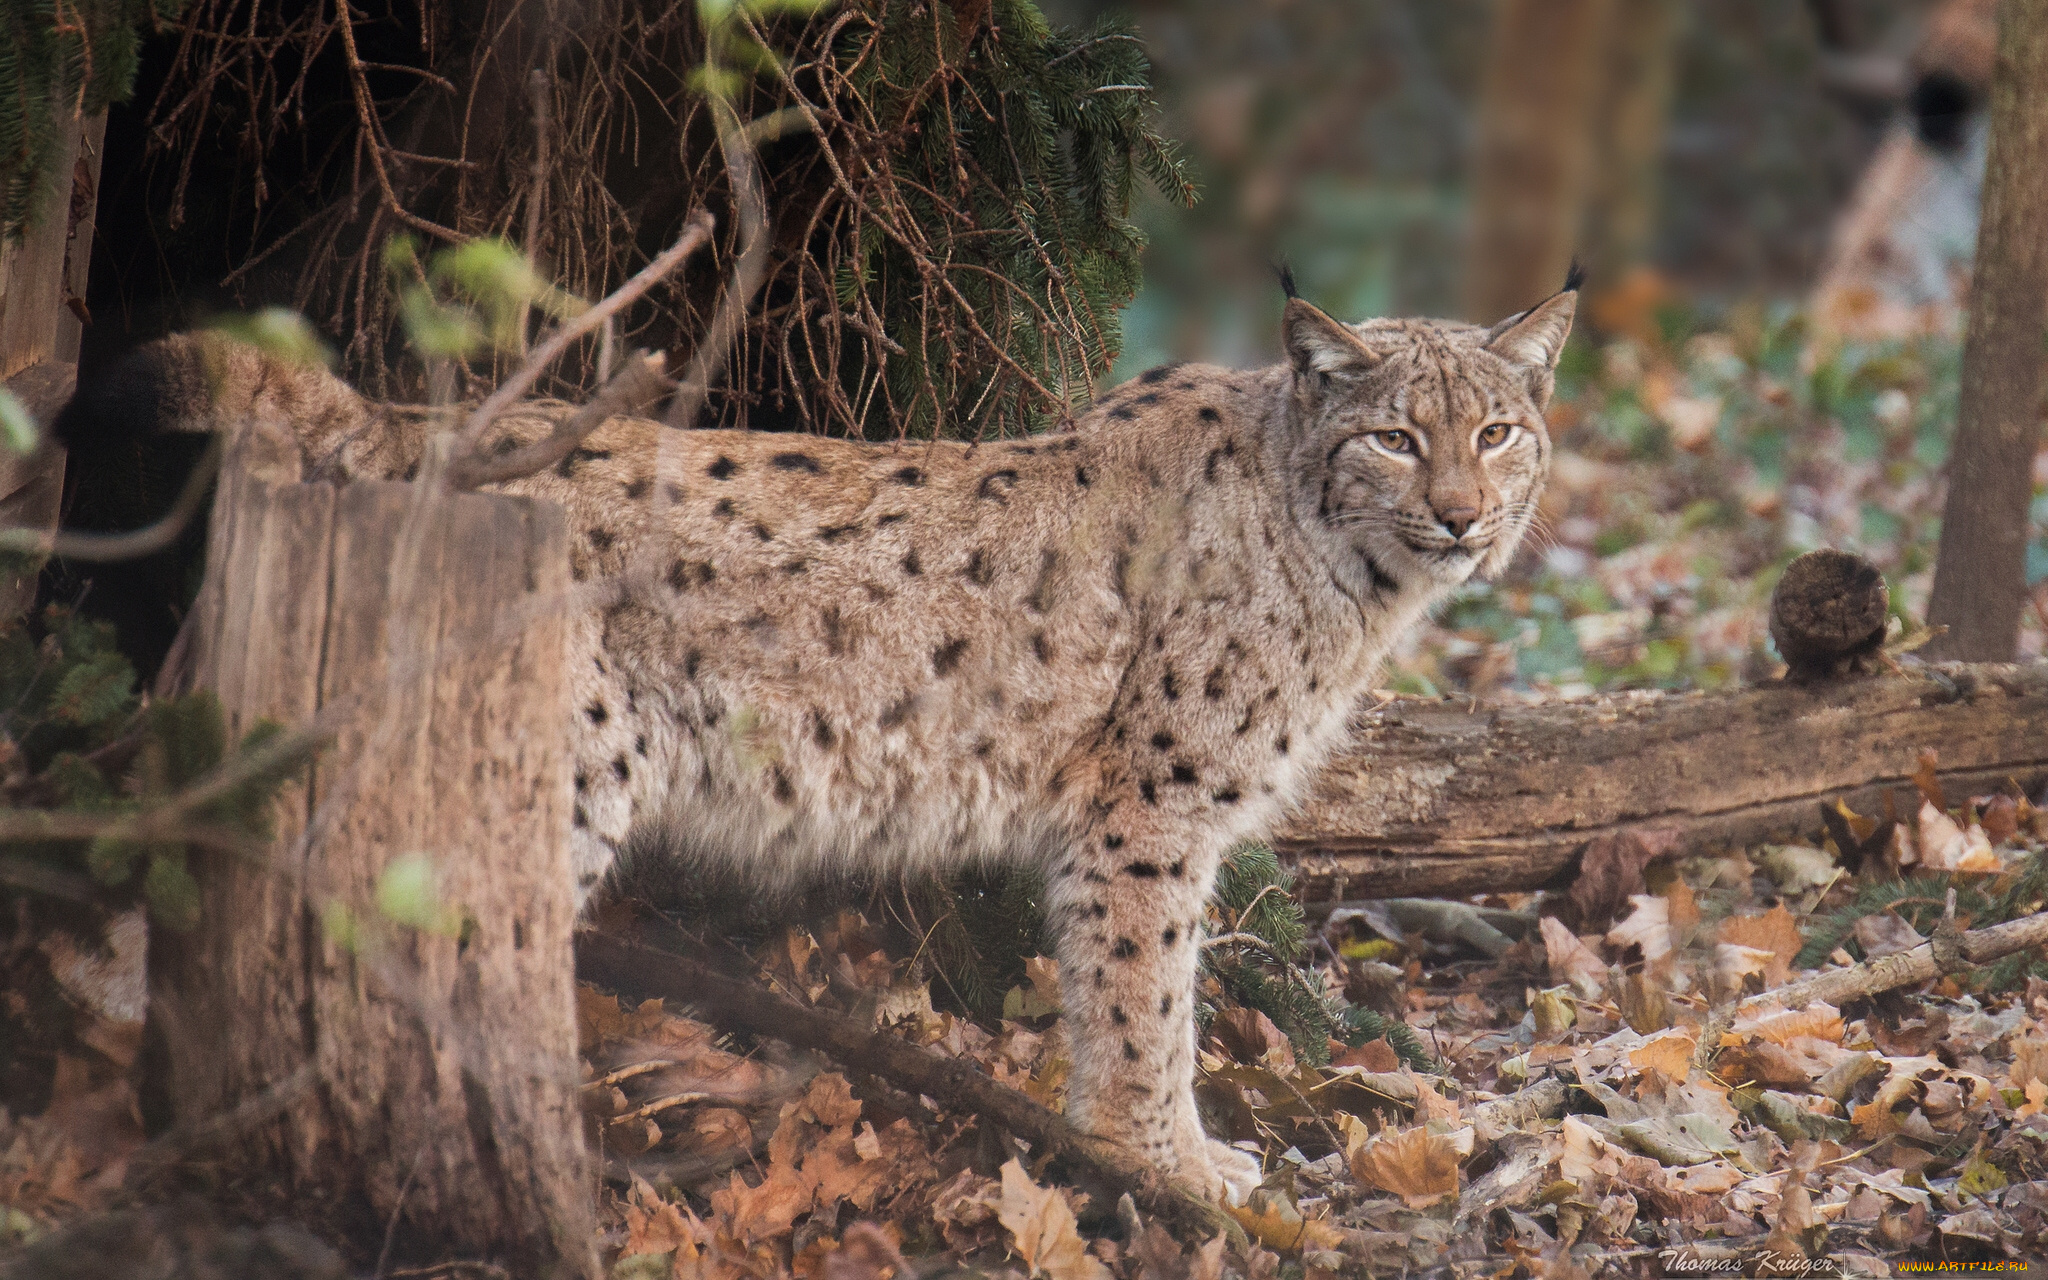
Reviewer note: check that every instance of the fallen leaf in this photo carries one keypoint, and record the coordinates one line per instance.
(1926, 776)
(1819, 1020)
(1685, 907)
(654, 1225)
(1774, 931)
(1611, 872)
(1734, 962)
(1251, 1037)
(1668, 1053)
(1647, 927)
(1374, 1055)
(754, 1214)
(865, 1252)
(830, 1101)
(1798, 867)
(1419, 1166)
(1941, 842)
(2000, 815)
(2029, 1062)
(1553, 1012)
(1885, 934)
(1041, 1225)
(1571, 960)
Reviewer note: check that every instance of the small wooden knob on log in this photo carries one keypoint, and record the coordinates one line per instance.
(1828, 614)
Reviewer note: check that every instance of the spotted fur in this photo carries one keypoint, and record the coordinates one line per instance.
(1113, 651)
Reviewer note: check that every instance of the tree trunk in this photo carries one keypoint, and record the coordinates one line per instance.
(1431, 799)
(1533, 162)
(420, 1041)
(1633, 116)
(1980, 569)
(39, 335)
(32, 484)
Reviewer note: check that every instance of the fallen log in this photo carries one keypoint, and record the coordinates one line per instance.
(955, 1084)
(1438, 798)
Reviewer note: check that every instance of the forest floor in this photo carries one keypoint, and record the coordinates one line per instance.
(1913, 1126)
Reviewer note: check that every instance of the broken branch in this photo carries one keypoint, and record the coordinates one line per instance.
(1931, 959)
(696, 234)
(955, 1084)
(638, 382)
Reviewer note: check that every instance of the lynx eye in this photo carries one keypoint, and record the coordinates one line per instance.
(1394, 441)
(1495, 434)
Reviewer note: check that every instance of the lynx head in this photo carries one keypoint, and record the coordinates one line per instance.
(1418, 447)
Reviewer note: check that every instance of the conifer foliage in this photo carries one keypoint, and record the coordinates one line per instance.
(56, 55)
(948, 185)
(96, 779)
(1014, 149)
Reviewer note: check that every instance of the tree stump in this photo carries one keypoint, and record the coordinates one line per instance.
(350, 1042)
(1828, 615)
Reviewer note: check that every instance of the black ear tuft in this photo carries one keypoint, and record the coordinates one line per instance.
(1574, 277)
(1286, 274)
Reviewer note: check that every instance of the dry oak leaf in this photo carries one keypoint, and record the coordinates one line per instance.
(1276, 1222)
(830, 1101)
(654, 1225)
(1668, 1053)
(1376, 1056)
(1571, 960)
(1648, 927)
(600, 1019)
(1819, 1020)
(1415, 1164)
(1611, 870)
(1041, 1225)
(865, 1252)
(1885, 934)
(1685, 907)
(755, 1214)
(2029, 1062)
(965, 1210)
(1251, 1037)
(1733, 962)
(1774, 931)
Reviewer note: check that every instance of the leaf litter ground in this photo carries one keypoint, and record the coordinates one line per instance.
(1910, 1126)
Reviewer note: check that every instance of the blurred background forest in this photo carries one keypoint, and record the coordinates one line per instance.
(1778, 202)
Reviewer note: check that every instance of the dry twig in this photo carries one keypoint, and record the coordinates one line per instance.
(1931, 959)
(954, 1083)
(696, 234)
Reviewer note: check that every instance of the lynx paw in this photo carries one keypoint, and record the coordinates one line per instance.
(1239, 1171)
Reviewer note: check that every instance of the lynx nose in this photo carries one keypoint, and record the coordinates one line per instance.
(1458, 519)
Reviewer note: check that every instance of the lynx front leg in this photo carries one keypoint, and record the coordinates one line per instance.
(1130, 908)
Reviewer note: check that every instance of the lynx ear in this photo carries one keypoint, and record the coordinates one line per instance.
(1534, 339)
(1318, 344)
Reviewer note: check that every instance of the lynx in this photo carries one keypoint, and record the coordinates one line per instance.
(1114, 650)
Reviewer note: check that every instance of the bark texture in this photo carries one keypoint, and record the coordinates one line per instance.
(1430, 798)
(32, 485)
(1630, 123)
(437, 1028)
(1828, 614)
(1533, 163)
(1980, 569)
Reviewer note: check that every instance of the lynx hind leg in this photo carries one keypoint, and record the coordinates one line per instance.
(1129, 907)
